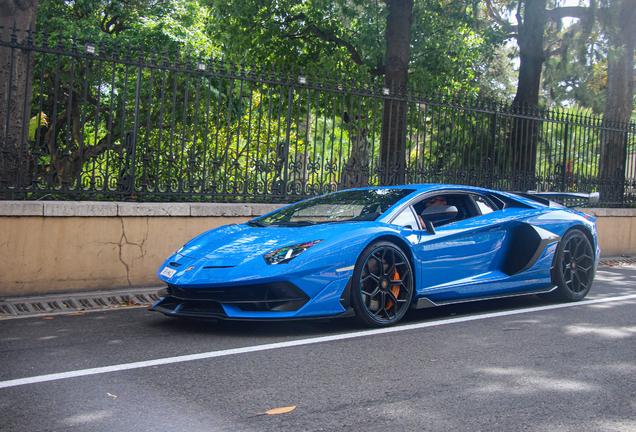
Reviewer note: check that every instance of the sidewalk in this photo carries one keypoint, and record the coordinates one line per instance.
(93, 301)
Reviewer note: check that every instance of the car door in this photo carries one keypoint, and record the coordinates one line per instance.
(462, 253)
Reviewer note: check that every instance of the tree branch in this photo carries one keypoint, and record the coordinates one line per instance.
(568, 11)
(494, 14)
(328, 37)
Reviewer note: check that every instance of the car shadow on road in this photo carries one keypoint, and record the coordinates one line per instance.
(326, 326)
(610, 281)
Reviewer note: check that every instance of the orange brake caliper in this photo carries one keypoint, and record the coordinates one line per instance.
(395, 290)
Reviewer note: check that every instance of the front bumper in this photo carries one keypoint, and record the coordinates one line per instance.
(277, 296)
(264, 301)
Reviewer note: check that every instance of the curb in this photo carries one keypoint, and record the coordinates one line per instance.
(78, 302)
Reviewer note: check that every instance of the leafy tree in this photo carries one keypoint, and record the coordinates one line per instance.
(166, 24)
(424, 43)
(619, 20)
(496, 78)
(537, 32)
(88, 121)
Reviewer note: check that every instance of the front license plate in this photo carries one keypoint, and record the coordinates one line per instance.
(167, 272)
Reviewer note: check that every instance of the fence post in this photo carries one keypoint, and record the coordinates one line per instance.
(624, 170)
(136, 132)
(564, 165)
(493, 138)
(290, 99)
(126, 181)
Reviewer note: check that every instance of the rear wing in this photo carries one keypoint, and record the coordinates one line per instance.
(568, 199)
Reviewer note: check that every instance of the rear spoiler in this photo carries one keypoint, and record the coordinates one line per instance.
(568, 199)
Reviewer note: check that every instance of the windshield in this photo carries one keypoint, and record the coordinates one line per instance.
(358, 205)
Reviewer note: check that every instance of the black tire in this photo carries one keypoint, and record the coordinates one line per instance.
(382, 285)
(574, 267)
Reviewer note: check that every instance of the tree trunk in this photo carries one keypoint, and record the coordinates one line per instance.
(531, 55)
(619, 99)
(398, 43)
(16, 68)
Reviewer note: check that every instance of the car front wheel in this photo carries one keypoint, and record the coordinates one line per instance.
(382, 285)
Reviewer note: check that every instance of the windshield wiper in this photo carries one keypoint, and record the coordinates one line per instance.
(256, 223)
(295, 223)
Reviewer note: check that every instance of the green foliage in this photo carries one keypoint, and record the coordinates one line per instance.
(447, 39)
(578, 75)
(210, 134)
(166, 24)
(497, 78)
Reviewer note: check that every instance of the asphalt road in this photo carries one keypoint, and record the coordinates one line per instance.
(511, 365)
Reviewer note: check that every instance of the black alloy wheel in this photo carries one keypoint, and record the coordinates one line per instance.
(383, 285)
(574, 267)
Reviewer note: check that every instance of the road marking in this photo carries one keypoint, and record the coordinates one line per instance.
(295, 343)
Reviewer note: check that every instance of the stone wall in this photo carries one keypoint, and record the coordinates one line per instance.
(48, 247)
(616, 230)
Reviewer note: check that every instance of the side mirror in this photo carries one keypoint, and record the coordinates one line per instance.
(437, 214)
(440, 213)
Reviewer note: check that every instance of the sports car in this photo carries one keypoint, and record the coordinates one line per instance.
(376, 252)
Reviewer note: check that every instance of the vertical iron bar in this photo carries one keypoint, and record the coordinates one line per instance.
(239, 118)
(184, 167)
(37, 160)
(493, 140)
(147, 151)
(290, 99)
(25, 122)
(566, 146)
(133, 149)
(194, 168)
(246, 176)
(93, 183)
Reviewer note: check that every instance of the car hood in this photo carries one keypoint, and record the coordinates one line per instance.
(230, 245)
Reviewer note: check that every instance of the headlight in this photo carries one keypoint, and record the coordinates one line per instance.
(287, 253)
(178, 250)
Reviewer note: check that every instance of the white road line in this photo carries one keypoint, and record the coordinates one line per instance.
(295, 343)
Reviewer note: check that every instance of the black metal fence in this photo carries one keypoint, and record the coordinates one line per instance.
(105, 121)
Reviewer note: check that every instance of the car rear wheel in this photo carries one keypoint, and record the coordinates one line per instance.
(574, 267)
(382, 285)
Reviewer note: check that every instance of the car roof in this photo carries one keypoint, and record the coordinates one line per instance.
(422, 188)
(419, 188)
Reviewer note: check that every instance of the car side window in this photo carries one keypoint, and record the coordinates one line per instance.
(485, 206)
(406, 218)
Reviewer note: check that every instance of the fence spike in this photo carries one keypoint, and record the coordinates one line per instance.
(165, 57)
(29, 39)
(45, 37)
(74, 42)
(253, 69)
(116, 48)
(14, 33)
(60, 44)
(272, 73)
(222, 65)
(153, 55)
